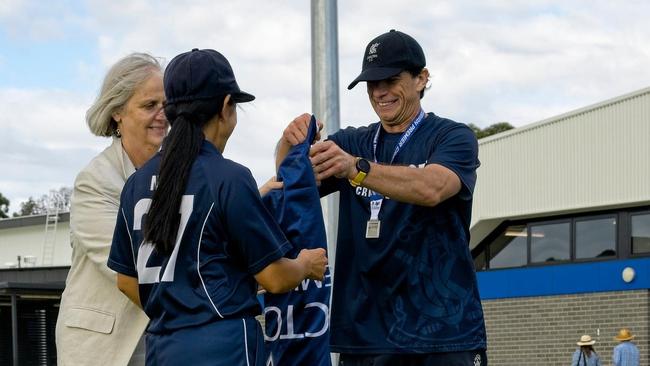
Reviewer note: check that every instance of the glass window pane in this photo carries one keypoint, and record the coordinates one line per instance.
(509, 249)
(596, 238)
(550, 242)
(641, 233)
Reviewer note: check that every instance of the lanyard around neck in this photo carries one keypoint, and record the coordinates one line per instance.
(402, 141)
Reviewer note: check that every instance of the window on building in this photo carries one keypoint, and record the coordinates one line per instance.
(596, 238)
(590, 236)
(510, 248)
(550, 242)
(640, 225)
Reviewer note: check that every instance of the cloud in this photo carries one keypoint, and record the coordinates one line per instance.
(516, 61)
(9, 8)
(46, 117)
(243, 31)
(45, 141)
(491, 61)
(39, 20)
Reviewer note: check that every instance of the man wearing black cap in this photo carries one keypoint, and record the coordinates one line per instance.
(405, 290)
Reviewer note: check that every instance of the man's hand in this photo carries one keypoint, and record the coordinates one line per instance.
(296, 131)
(330, 160)
(294, 134)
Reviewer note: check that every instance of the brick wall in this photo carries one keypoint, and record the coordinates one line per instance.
(544, 330)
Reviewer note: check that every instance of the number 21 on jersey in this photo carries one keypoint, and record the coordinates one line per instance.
(152, 274)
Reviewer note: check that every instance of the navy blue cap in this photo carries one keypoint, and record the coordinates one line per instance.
(389, 54)
(201, 74)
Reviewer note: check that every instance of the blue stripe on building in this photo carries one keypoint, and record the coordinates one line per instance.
(563, 279)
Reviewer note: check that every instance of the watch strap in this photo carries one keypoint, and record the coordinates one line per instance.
(358, 179)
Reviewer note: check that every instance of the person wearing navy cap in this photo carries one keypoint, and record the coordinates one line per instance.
(193, 238)
(405, 290)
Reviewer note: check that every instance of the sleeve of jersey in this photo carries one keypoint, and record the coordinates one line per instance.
(257, 236)
(457, 150)
(121, 258)
(296, 207)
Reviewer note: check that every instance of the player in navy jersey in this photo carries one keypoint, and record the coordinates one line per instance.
(193, 239)
(405, 290)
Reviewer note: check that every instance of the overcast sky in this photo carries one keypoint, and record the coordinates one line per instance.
(491, 61)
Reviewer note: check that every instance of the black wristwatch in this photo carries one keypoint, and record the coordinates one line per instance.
(363, 166)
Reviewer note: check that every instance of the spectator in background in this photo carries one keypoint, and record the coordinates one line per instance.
(585, 355)
(626, 353)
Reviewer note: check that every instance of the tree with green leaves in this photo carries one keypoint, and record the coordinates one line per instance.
(4, 207)
(58, 199)
(490, 130)
(31, 207)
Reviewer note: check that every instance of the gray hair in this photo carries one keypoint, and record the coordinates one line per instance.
(119, 85)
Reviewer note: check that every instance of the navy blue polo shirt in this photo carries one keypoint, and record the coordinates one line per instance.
(413, 289)
(226, 235)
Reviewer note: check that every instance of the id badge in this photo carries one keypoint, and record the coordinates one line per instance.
(374, 225)
(372, 229)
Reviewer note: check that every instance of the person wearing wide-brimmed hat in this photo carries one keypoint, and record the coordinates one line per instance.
(626, 353)
(585, 355)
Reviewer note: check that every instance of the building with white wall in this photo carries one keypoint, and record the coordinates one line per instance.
(561, 209)
(25, 237)
(35, 257)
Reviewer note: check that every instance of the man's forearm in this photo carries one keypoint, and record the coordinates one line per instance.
(426, 186)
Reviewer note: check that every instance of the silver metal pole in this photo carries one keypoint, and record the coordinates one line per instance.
(325, 100)
(325, 93)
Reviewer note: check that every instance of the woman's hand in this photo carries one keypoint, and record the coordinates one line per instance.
(285, 274)
(269, 185)
(315, 262)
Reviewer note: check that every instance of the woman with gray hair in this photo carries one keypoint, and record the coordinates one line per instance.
(97, 324)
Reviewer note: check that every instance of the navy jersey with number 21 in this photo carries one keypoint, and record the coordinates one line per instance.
(225, 236)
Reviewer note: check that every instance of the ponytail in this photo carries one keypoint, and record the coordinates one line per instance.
(180, 149)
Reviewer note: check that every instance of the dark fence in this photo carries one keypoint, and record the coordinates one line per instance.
(29, 307)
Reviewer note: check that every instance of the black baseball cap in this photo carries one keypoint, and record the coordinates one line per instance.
(389, 54)
(201, 74)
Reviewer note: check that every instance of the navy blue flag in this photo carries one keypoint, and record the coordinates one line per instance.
(297, 323)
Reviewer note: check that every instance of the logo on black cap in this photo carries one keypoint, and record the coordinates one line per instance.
(372, 52)
(399, 52)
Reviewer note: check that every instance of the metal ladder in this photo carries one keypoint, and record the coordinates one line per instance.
(51, 220)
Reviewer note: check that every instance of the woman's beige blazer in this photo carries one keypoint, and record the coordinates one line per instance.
(97, 324)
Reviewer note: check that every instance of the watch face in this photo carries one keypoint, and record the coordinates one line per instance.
(363, 165)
